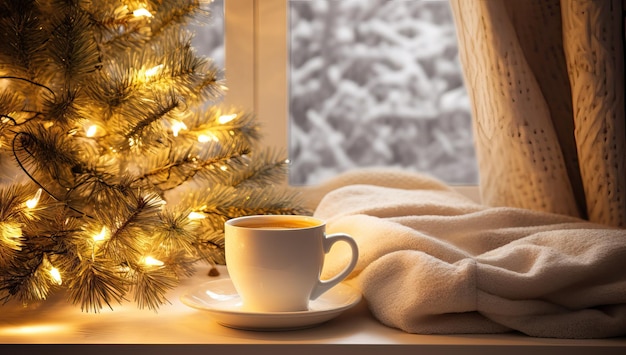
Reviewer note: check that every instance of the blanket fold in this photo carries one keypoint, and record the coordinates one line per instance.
(433, 261)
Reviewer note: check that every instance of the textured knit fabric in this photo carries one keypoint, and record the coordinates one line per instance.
(546, 81)
(432, 261)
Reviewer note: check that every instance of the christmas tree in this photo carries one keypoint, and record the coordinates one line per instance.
(118, 164)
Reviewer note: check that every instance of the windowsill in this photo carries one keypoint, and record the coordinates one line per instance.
(354, 331)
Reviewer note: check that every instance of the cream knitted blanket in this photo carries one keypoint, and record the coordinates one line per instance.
(433, 261)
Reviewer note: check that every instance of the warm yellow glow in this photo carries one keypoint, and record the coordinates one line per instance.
(56, 275)
(32, 203)
(196, 215)
(142, 12)
(177, 126)
(203, 138)
(226, 118)
(34, 329)
(154, 71)
(102, 235)
(10, 234)
(91, 131)
(150, 261)
(224, 167)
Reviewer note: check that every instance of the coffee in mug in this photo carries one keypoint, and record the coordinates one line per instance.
(275, 261)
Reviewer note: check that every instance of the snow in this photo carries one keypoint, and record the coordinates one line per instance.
(377, 83)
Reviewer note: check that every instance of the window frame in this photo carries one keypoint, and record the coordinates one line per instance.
(256, 64)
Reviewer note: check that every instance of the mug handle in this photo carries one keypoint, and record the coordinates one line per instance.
(325, 285)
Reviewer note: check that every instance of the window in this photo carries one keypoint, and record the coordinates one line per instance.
(361, 83)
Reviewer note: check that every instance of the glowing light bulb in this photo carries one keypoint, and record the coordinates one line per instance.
(150, 261)
(32, 203)
(56, 275)
(101, 236)
(196, 215)
(226, 118)
(154, 70)
(91, 131)
(142, 12)
(203, 138)
(177, 126)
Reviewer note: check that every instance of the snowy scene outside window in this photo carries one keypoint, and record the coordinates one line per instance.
(377, 83)
(371, 83)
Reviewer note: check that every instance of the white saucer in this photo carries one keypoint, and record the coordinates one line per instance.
(220, 299)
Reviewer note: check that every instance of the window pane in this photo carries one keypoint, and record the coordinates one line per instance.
(377, 83)
(209, 36)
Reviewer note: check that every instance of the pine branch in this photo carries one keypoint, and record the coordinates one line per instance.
(151, 285)
(29, 94)
(264, 168)
(176, 232)
(182, 265)
(27, 277)
(47, 153)
(225, 202)
(116, 27)
(12, 203)
(143, 133)
(97, 283)
(72, 47)
(22, 41)
(225, 125)
(129, 233)
(114, 86)
(184, 162)
(27, 281)
(10, 103)
(10, 243)
(63, 110)
(191, 76)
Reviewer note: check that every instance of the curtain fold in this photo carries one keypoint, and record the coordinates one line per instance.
(546, 81)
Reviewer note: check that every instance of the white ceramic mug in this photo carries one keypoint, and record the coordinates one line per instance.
(275, 261)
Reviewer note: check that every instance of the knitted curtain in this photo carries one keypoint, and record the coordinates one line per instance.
(546, 82)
